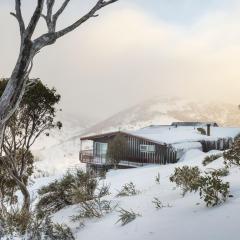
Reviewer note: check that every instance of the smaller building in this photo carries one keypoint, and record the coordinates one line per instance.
(158, 144)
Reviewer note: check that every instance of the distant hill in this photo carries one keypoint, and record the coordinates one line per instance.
(167, 110)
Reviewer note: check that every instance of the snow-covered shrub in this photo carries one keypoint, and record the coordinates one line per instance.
(232, 156)
(14, 221)
(187, 178)
(95, 208)
(157, 178)
(71, 189)
(35, 228)
(202, 131)
(237, 137)
(128, 189)
(213, 190)
(126, 216)
(158, 204)
(222, 172)
(45, 229)
(211, 158)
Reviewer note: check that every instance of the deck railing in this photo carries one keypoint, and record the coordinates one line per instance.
(87, 156)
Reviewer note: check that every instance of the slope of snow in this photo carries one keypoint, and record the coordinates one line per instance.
(55, 153)
(187, 219)
(58, 158)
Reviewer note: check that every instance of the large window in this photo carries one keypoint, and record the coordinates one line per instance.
(147, 148)
(100, 149)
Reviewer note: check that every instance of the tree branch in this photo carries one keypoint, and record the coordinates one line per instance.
(92, 13)
(18, 16)
(34, 19)
(59, 12)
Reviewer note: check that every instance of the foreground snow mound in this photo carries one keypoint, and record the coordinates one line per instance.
(185, 218)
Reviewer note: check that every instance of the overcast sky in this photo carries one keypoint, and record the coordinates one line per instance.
(135, 50)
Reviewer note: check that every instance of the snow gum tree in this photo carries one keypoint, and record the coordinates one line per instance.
(116, 149)
(29, 47)
(34, 117)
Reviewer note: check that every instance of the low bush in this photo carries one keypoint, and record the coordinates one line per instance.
(36, 228)
(232, 156)
(71, 189)
(202, 131)
(47, 230)
(126, 216)
(95, 208)
(213, 190)
(129, 189)
(158, 204)
(13, 222)
(187, 178)
(211, 158)
(157, 178)
(222, 172)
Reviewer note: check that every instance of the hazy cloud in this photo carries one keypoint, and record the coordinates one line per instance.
(128, 55)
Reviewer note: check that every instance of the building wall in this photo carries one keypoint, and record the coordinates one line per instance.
(163, 154)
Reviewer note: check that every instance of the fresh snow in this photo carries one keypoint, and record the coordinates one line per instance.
(187, 219)
(173, 135)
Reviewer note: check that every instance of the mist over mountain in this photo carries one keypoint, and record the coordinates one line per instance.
(165, 111)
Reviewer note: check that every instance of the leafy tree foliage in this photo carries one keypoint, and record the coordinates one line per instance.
(211, 188)
(211, 158)
(187, 178)
(116, 149)
(36, 228)
(34, 117)
(71, 189)
(202, 131)
(232, 156)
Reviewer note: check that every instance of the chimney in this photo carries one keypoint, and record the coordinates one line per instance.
(208, 129)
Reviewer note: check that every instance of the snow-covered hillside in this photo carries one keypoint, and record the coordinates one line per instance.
(166, 110)
(188, 218)
(60, 150)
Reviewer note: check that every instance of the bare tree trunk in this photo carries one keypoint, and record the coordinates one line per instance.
(26, 198)
(15, 88)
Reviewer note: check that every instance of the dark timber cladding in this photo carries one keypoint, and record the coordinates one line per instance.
(162, 153)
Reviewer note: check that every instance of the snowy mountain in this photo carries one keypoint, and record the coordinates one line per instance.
(166, 110)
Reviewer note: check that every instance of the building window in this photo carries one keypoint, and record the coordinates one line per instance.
(100, 149)
(147, 148)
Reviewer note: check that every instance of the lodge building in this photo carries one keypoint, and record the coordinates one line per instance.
(158, 144)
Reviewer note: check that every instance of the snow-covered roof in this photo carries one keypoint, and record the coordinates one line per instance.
(173, 135)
